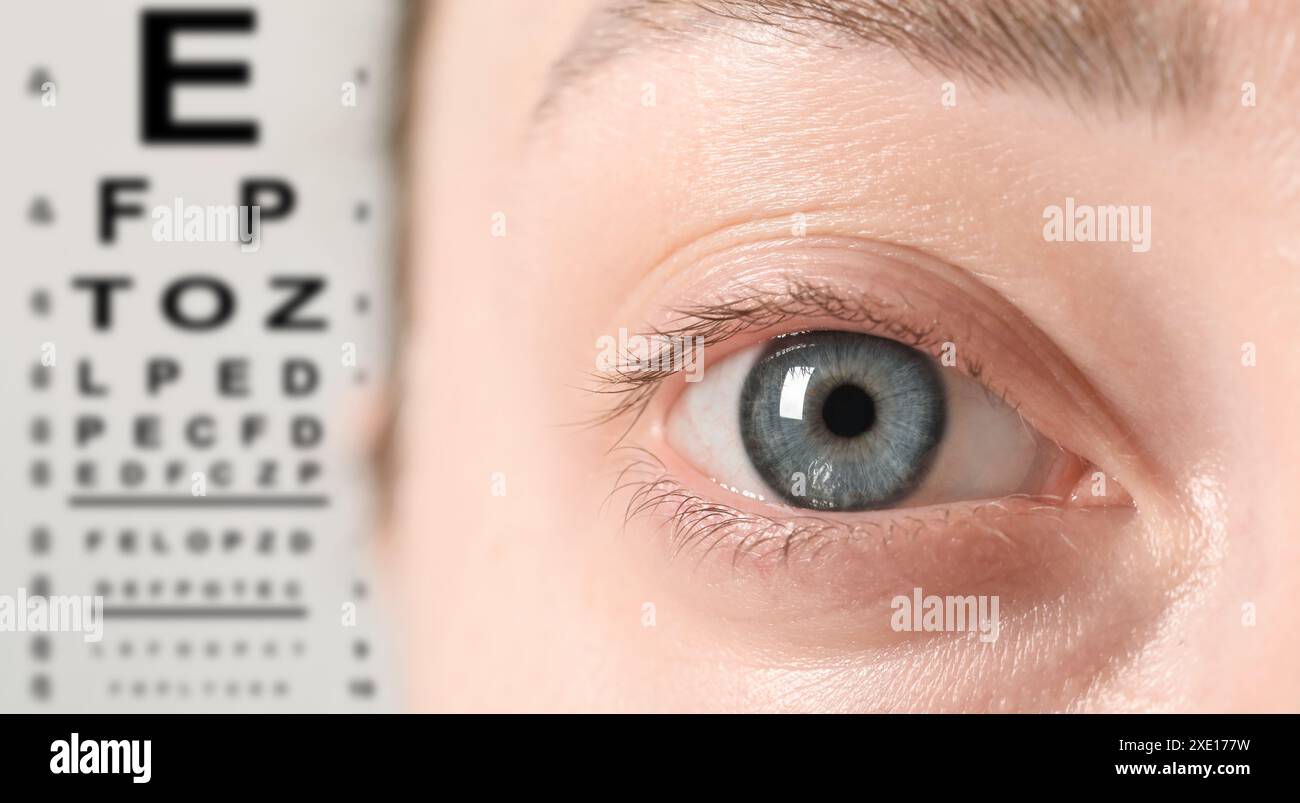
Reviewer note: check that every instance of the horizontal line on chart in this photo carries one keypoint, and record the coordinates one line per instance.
(180, 500)
(205, 612)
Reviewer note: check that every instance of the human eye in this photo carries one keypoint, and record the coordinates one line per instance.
(861, 420)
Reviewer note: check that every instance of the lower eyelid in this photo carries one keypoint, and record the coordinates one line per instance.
(1079, 592)
(954, 546)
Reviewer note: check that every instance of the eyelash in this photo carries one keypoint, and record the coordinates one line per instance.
(695, 523)
(637, 383)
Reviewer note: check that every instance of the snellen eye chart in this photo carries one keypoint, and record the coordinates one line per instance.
(199, 218)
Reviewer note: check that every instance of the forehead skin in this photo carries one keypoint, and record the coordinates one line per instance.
(527, 601)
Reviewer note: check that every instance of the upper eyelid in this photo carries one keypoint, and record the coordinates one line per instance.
(763, 278)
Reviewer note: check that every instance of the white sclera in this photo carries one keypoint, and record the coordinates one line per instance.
(704, 426)
(987, 450)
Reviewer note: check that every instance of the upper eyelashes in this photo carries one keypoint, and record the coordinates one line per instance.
(636, 378)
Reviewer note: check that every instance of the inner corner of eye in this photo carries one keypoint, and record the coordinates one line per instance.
(846, 421)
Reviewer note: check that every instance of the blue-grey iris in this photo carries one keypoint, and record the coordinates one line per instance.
(841, 420)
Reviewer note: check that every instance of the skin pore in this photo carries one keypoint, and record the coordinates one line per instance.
(576, 168)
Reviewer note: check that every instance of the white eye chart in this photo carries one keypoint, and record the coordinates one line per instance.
(198, 218)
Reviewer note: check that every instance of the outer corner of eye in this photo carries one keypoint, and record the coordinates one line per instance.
(1095, 488)
(847, 421)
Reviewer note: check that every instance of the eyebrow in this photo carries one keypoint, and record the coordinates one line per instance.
(1125, 55)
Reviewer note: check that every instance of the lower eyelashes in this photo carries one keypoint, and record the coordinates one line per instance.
(853, 561)
(841, 420)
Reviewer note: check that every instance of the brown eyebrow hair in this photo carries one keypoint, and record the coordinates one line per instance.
(1122, 55)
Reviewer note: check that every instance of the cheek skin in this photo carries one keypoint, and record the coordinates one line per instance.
(785, 630)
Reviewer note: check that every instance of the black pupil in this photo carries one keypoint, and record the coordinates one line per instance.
(848, 411)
